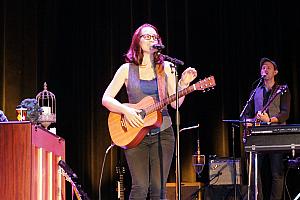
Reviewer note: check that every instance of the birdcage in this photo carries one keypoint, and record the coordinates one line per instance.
(46, 100)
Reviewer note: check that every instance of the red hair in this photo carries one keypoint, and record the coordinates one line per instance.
(135, 52)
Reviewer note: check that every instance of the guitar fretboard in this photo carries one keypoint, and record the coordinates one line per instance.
(121, 191)
(279, 90)
(170, 99)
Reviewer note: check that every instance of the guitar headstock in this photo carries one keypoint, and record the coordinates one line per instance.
(67, 170)
(71, 177)
(282, 89)
(63, 173)
(206, 84)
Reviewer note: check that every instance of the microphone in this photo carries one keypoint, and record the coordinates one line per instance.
(263, 76)
(158, 46)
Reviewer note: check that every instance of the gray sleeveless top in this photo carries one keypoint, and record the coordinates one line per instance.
(274, 107)
(137, 89)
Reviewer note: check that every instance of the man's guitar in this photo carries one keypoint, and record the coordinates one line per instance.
(279, 90)
(126, 136)
(71, 177)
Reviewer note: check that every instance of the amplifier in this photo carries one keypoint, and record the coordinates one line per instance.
(221, 171)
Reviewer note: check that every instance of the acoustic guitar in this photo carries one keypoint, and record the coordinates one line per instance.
(280, 89)
(126, 136)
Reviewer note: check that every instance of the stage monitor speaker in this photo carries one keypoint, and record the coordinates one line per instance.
(189, 190)
(221, 171)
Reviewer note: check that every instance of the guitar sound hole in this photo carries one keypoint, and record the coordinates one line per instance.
(142, 114)
(123, 123)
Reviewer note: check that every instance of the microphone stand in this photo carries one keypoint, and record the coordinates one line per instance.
(233, 125)
(176, 62)
(255, 153)
(234, 157)
(251, 97)
(178, 173)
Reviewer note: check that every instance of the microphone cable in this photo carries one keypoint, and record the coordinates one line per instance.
(102, 168)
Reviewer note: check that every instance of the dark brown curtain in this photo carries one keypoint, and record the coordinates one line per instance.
(77, 46)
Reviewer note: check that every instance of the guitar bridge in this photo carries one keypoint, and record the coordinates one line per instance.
(123, 123)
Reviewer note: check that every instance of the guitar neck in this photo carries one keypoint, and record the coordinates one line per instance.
(274, 95)
(121, 192)
(120, 182)
(170, 99)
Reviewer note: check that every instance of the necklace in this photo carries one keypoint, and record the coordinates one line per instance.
(146, 66)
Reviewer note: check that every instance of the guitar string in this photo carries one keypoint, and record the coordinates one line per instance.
(166, 101)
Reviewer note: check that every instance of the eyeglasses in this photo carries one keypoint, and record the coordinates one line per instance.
(148, 37)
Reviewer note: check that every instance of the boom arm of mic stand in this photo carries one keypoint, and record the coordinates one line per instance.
(175, 61)
(250, 99)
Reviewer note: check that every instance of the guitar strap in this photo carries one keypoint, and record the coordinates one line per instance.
(161, 80)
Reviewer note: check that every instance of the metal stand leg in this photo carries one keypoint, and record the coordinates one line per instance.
(256, 189)
(249, 176)
(234, 165)
(255, 176)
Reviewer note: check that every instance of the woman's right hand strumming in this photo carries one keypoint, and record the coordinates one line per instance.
(133, 117)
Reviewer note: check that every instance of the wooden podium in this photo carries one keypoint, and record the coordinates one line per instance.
(28, 162)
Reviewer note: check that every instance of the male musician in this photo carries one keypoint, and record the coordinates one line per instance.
(277, 112)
